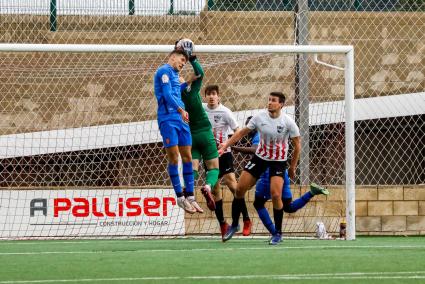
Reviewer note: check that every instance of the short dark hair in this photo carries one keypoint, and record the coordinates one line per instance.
(180, 52)
(211, 88)
(280, 95)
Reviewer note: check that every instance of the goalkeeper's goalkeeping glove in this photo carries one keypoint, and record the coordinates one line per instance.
(186, 45)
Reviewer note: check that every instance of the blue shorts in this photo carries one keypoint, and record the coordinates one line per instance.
(174, 133)
(262, 188)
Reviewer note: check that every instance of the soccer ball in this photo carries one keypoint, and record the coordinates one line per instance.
(186, 45)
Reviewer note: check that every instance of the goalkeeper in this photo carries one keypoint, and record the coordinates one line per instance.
(203, 142)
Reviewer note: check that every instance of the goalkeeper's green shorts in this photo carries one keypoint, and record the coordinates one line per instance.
(203, 146)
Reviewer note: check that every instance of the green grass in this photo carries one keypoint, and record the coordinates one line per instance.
(366, 260)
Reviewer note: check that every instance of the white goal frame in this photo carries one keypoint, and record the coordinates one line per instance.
(346, 50)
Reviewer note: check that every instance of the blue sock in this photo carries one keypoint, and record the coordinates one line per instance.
(188, 178)
(175, 179)
(299, 203)
(267, 221)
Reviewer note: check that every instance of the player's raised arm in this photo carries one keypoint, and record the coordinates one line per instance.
(235, 138)
(251, 149)
(188, 82)
(254, 141)
(244, 150)
(199, 73)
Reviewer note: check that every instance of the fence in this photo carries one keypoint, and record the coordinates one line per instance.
(317, 5)
(390, 72)
(190, 7)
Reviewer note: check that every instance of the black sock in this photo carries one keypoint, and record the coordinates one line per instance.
(245, 215)
(219, 211)
(236, 210)
(278, 217)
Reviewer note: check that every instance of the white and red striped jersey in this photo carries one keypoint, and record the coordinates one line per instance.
(222, 121)
(274, 135)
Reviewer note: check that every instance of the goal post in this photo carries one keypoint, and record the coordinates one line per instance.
(342, 50)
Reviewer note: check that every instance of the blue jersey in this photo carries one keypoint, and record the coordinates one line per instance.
(262, 188)
(168, 93)
(256, 139)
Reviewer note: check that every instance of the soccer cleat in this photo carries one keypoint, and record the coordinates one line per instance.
(195, 205)
(206, 192)
(223, 229)
(185, 205)
(276, 239)
(316, 189)
(247, 225)
(230, 232)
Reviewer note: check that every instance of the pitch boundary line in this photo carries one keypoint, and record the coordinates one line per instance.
(316, 276)
(266, 247)
(188, 239)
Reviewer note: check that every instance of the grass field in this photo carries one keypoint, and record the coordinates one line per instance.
(366, 260)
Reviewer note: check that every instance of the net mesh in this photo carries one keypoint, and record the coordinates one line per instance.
(101, 130)
(86, 120)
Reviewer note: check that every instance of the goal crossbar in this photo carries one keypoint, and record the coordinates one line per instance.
(116, 48)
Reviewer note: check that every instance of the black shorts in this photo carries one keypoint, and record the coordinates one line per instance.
(257, 166)
(225, 164)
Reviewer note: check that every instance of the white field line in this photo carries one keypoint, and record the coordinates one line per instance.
(51, 241)
(135, 239)
(266, 247)
(321, 276)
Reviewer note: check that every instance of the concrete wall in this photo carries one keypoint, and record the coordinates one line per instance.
(380, 210)
(390, 210)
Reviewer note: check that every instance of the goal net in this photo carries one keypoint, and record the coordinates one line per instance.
(81, 154)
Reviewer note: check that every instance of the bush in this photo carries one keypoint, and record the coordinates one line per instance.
(412, 5)
(234, 5)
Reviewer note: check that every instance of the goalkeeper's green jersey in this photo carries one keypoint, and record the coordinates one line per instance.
(198, 119)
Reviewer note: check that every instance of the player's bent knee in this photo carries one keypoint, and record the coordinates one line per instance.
(259, 203)
(289, 209)
(186, 158)
(172, 155)
(174, 160)
(185, 153)
(232, 190)
(276, 196)
(217, 193)
(287, 205)
(240, 192)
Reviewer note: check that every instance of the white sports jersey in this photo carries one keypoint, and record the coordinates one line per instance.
(274, 135)
(222, 121)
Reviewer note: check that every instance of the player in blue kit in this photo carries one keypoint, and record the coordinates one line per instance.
(173, 125)
(263, 194)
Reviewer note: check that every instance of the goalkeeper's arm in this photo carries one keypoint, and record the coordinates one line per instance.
(199, 72)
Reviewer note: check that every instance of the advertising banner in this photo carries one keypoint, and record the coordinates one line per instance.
(93, 212)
